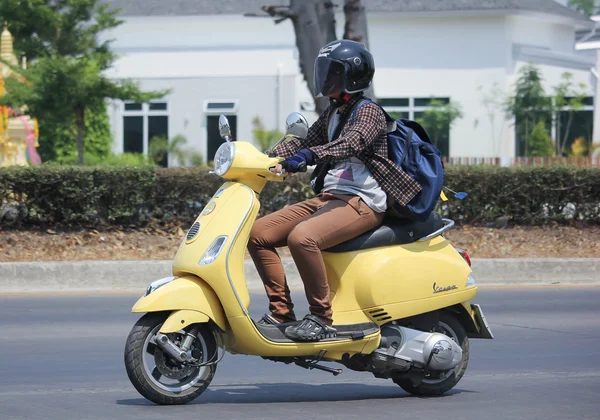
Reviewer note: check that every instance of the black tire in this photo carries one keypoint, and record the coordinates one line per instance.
(432, 387)
(138, 375)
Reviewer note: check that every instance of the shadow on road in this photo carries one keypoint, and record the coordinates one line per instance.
(293, 393)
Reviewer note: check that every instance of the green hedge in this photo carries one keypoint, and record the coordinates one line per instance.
(526, 195)
(138, 196)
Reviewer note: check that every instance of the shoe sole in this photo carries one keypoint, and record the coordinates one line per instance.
(311, 339)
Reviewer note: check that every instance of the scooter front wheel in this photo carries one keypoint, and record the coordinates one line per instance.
(158, 377)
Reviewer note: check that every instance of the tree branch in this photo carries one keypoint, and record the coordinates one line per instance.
(69, 128)
(282, 13)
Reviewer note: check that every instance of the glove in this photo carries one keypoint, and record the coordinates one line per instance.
(299, 161)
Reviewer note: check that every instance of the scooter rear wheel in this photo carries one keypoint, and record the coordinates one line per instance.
(155, 375)
(437, 383)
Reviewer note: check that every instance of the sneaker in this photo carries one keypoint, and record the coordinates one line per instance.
(269, 319)
(311, 328)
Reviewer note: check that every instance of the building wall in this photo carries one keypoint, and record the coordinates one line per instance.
(223, 57)
(204, 58)
(222, 32)
(532, 31)
(437, 44)
(255, 96)
(459, 58)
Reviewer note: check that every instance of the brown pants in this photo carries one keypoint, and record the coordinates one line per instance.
(306, 228)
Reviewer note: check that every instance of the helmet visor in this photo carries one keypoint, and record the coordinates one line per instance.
(330, 76)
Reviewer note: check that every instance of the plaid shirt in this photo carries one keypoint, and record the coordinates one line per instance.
(366, 139)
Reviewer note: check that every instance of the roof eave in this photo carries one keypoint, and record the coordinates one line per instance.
(579, 23)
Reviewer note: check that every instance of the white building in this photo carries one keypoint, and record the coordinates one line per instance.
(589, 40)
(215, 61)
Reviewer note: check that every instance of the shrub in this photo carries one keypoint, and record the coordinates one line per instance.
(540, 142)
(528, 195)
(122, 159)
(137, 196)
(57, 143)
(262, 137)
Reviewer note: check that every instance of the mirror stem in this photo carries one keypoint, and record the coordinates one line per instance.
(281, 140)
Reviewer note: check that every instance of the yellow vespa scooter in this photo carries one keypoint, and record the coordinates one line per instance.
(400, 297)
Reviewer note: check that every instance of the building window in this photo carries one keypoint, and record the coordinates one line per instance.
(414, 109)
(142, 123)
(394, 102)
(426, 102)
(133, 134)
(565, 127)
(221, 107)
(571, 126)
(157, 106)
(212, 110)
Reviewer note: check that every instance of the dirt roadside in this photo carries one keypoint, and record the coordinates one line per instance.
(156, 244)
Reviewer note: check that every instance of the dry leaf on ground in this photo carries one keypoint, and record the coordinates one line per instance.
(518, 242)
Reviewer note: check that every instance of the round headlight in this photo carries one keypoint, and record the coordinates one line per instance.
(224, 158)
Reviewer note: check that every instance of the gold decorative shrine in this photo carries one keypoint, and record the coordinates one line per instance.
(18, 132)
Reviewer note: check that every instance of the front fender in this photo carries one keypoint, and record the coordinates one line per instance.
(190, 294)
(178, 320)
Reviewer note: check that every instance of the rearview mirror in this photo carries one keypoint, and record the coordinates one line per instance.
(224, 128)
(296, 125)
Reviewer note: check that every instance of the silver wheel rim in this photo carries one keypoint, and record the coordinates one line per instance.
(172, 385)
(448, 331)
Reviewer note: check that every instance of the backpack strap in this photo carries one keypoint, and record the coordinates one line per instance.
(357, 107)
(391, 123)
(418, 129)
(412, 125)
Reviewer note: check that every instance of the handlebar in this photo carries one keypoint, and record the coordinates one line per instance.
(301, 168)
(272, 169)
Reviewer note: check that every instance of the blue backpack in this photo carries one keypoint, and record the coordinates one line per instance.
(410, 148)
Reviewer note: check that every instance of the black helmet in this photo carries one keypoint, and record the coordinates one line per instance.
(343, 66)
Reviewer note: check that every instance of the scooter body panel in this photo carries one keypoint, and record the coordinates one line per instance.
(394, 282)
(230, 213)
(184, 293)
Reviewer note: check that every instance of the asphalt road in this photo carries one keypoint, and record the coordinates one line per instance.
(61, 359)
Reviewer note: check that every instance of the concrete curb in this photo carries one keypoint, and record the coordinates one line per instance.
(123, 276)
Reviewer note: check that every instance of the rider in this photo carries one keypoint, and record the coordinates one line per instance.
(356, 189)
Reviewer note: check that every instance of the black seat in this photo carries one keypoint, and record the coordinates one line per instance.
(393, 231)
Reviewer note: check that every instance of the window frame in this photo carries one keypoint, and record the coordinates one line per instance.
(226, 111)
(554, 124)
(145, 113)
(412, 108)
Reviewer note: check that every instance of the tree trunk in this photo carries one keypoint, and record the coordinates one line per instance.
(356, 28)
(526, 152)
(314, 25)
(557, 133)
(327, 20)
(564, 141)
(80, 123)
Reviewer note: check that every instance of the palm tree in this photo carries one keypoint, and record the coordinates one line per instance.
(262, 137)
(160, 149)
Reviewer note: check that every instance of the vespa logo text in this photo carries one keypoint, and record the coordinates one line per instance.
(439, 289)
